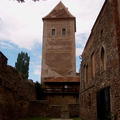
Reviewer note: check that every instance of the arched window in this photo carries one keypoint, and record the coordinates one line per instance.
(103, 59)
(89, 100)
(86, 73)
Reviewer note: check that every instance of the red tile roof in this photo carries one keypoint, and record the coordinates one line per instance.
(62, 79)
(60, 11)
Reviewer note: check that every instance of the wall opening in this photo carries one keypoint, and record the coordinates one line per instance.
(103, 104)
(53, 32)
(63, 31)
(93, 65)
(103, 59)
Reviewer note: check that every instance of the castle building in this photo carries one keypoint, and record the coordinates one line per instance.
(100, 67)
(58, 56)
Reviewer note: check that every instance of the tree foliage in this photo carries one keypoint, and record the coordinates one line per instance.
(22, 64)
(25, 0)
(39, 91)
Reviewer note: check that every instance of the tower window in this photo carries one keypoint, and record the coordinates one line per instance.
(53, 32)
(63, 31)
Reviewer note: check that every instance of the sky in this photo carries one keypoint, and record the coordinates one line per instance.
(21, 28)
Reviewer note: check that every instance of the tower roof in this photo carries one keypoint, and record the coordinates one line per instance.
(60, 11)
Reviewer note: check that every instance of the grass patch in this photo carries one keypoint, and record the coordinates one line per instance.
(36, 118)
(76, 119)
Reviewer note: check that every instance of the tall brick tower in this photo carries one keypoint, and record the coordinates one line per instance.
(58, 53)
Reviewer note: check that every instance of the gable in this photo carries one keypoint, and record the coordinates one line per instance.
(60, 11)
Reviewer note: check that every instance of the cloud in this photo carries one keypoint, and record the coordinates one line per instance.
(21, 26)
(22, 35)
(81, 39)
(6, 44)
(37, 70)
(22, 23)
(78, 51)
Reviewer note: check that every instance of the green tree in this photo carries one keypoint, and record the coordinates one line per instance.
(22, 64)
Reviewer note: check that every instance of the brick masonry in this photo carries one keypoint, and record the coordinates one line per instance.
(44, 109)
(97, 74)
(60, 90)
(15, 94)
(58, 53)
(58, 57)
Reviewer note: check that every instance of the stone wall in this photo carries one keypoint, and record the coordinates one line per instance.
(118, 7)
(61, 89)
(15, 94)
(44, 109)
(100, 71)
(18, 99)
(60, 99)
(58, 54)
(55, 64)
(73, 110)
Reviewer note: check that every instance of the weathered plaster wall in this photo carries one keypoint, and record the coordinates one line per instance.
(59, 50)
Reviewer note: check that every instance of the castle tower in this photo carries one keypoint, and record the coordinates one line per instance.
(58, 53)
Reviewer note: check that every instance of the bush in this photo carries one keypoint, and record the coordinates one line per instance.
(39, 91)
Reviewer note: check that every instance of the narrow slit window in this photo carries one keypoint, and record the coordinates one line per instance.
(53, 32)
(86, 73)
(93, 65)
(103, 59)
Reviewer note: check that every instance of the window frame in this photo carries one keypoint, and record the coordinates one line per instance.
(64, 31)
(53, 32)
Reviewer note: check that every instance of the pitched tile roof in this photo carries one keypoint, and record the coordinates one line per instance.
(60, 11)
(62, 79)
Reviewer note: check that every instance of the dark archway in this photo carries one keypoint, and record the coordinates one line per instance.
(103, 104)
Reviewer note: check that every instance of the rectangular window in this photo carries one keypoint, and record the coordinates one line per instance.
(53, 32)
(63, 31)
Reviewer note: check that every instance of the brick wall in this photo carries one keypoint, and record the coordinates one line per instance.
(15, 94)
(61, 99)
(104, 35)
(45, 109)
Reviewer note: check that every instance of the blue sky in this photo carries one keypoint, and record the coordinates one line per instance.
(21, 28)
